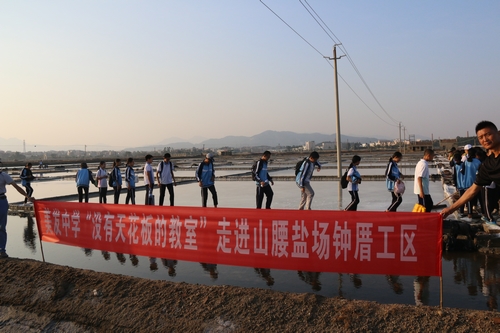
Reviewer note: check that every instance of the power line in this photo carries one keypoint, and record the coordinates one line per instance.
(288, 25)
(323, 25)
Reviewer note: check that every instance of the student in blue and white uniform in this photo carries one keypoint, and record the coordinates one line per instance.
(303, 180)
(117, 180)
(26, 178)
(263, 181)
(130, 181)
(166, 179)
(354, 179)
(102, 184)
(205, 175)
(83, 178)
(393, 176)
(469, 169)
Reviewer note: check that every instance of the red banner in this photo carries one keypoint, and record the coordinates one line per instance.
(315, 241)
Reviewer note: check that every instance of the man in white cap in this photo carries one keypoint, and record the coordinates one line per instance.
(466, 155)
(205, 175)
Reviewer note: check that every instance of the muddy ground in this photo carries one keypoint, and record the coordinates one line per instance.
(38, 297)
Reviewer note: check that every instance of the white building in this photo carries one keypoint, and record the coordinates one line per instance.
(309, 146)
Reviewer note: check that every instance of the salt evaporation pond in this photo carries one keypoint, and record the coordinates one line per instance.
(470, 279)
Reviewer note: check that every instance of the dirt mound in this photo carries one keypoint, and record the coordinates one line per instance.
(38, 297)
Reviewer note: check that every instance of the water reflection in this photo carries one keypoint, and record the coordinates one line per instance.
(121, 258)
(395, 284)
(153, 265)
(30, 235)
(421, 290)
(106, 255)
(311, 278)
(265, 274)
(356, 280)
(134, 260)
(170, 266)
(211, 269)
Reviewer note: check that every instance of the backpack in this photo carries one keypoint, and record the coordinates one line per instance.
(254, 170)
(298, 166)
(171, 168)
(343, 181)
(111, 178)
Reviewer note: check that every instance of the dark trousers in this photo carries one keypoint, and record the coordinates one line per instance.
(4, 208)
(489, 201)
(170, 188)
(397, 199)
(81, 190)
(268, 191)
(204, 195)
(470, 204)
(149, 190)
(426, 202)
(116, 194)
(102, 194)
(130, 196)
(353, 206)
(29, 191)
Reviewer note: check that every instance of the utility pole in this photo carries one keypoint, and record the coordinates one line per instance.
(399, 136)
(404, 140)
(337, 109)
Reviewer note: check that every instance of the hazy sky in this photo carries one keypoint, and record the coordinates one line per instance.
(131, 73)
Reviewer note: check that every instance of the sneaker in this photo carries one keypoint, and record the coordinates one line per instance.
(4, 254)
(484, 219)
(466, 219)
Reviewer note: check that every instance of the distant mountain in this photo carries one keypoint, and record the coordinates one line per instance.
(267, 138)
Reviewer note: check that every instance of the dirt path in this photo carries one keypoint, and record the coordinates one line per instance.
(36, 297)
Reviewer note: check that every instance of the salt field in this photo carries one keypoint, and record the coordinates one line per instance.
(469, 278)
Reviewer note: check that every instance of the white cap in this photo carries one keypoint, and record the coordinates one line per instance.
(467, 147)
(210, 156)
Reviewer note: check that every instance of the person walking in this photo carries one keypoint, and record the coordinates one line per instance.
(149, 180)
(26, 179)
(102, 183)
(83, 179)
(166, 179)
(5, 179)
(205, 175)
(130, 181)
(263, 181)
(116, 180)
(393, 177)
(421, 181)
(469, 170)
(303, 180)
(354, 179)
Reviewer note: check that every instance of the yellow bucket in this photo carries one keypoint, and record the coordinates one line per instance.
(418, 208)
